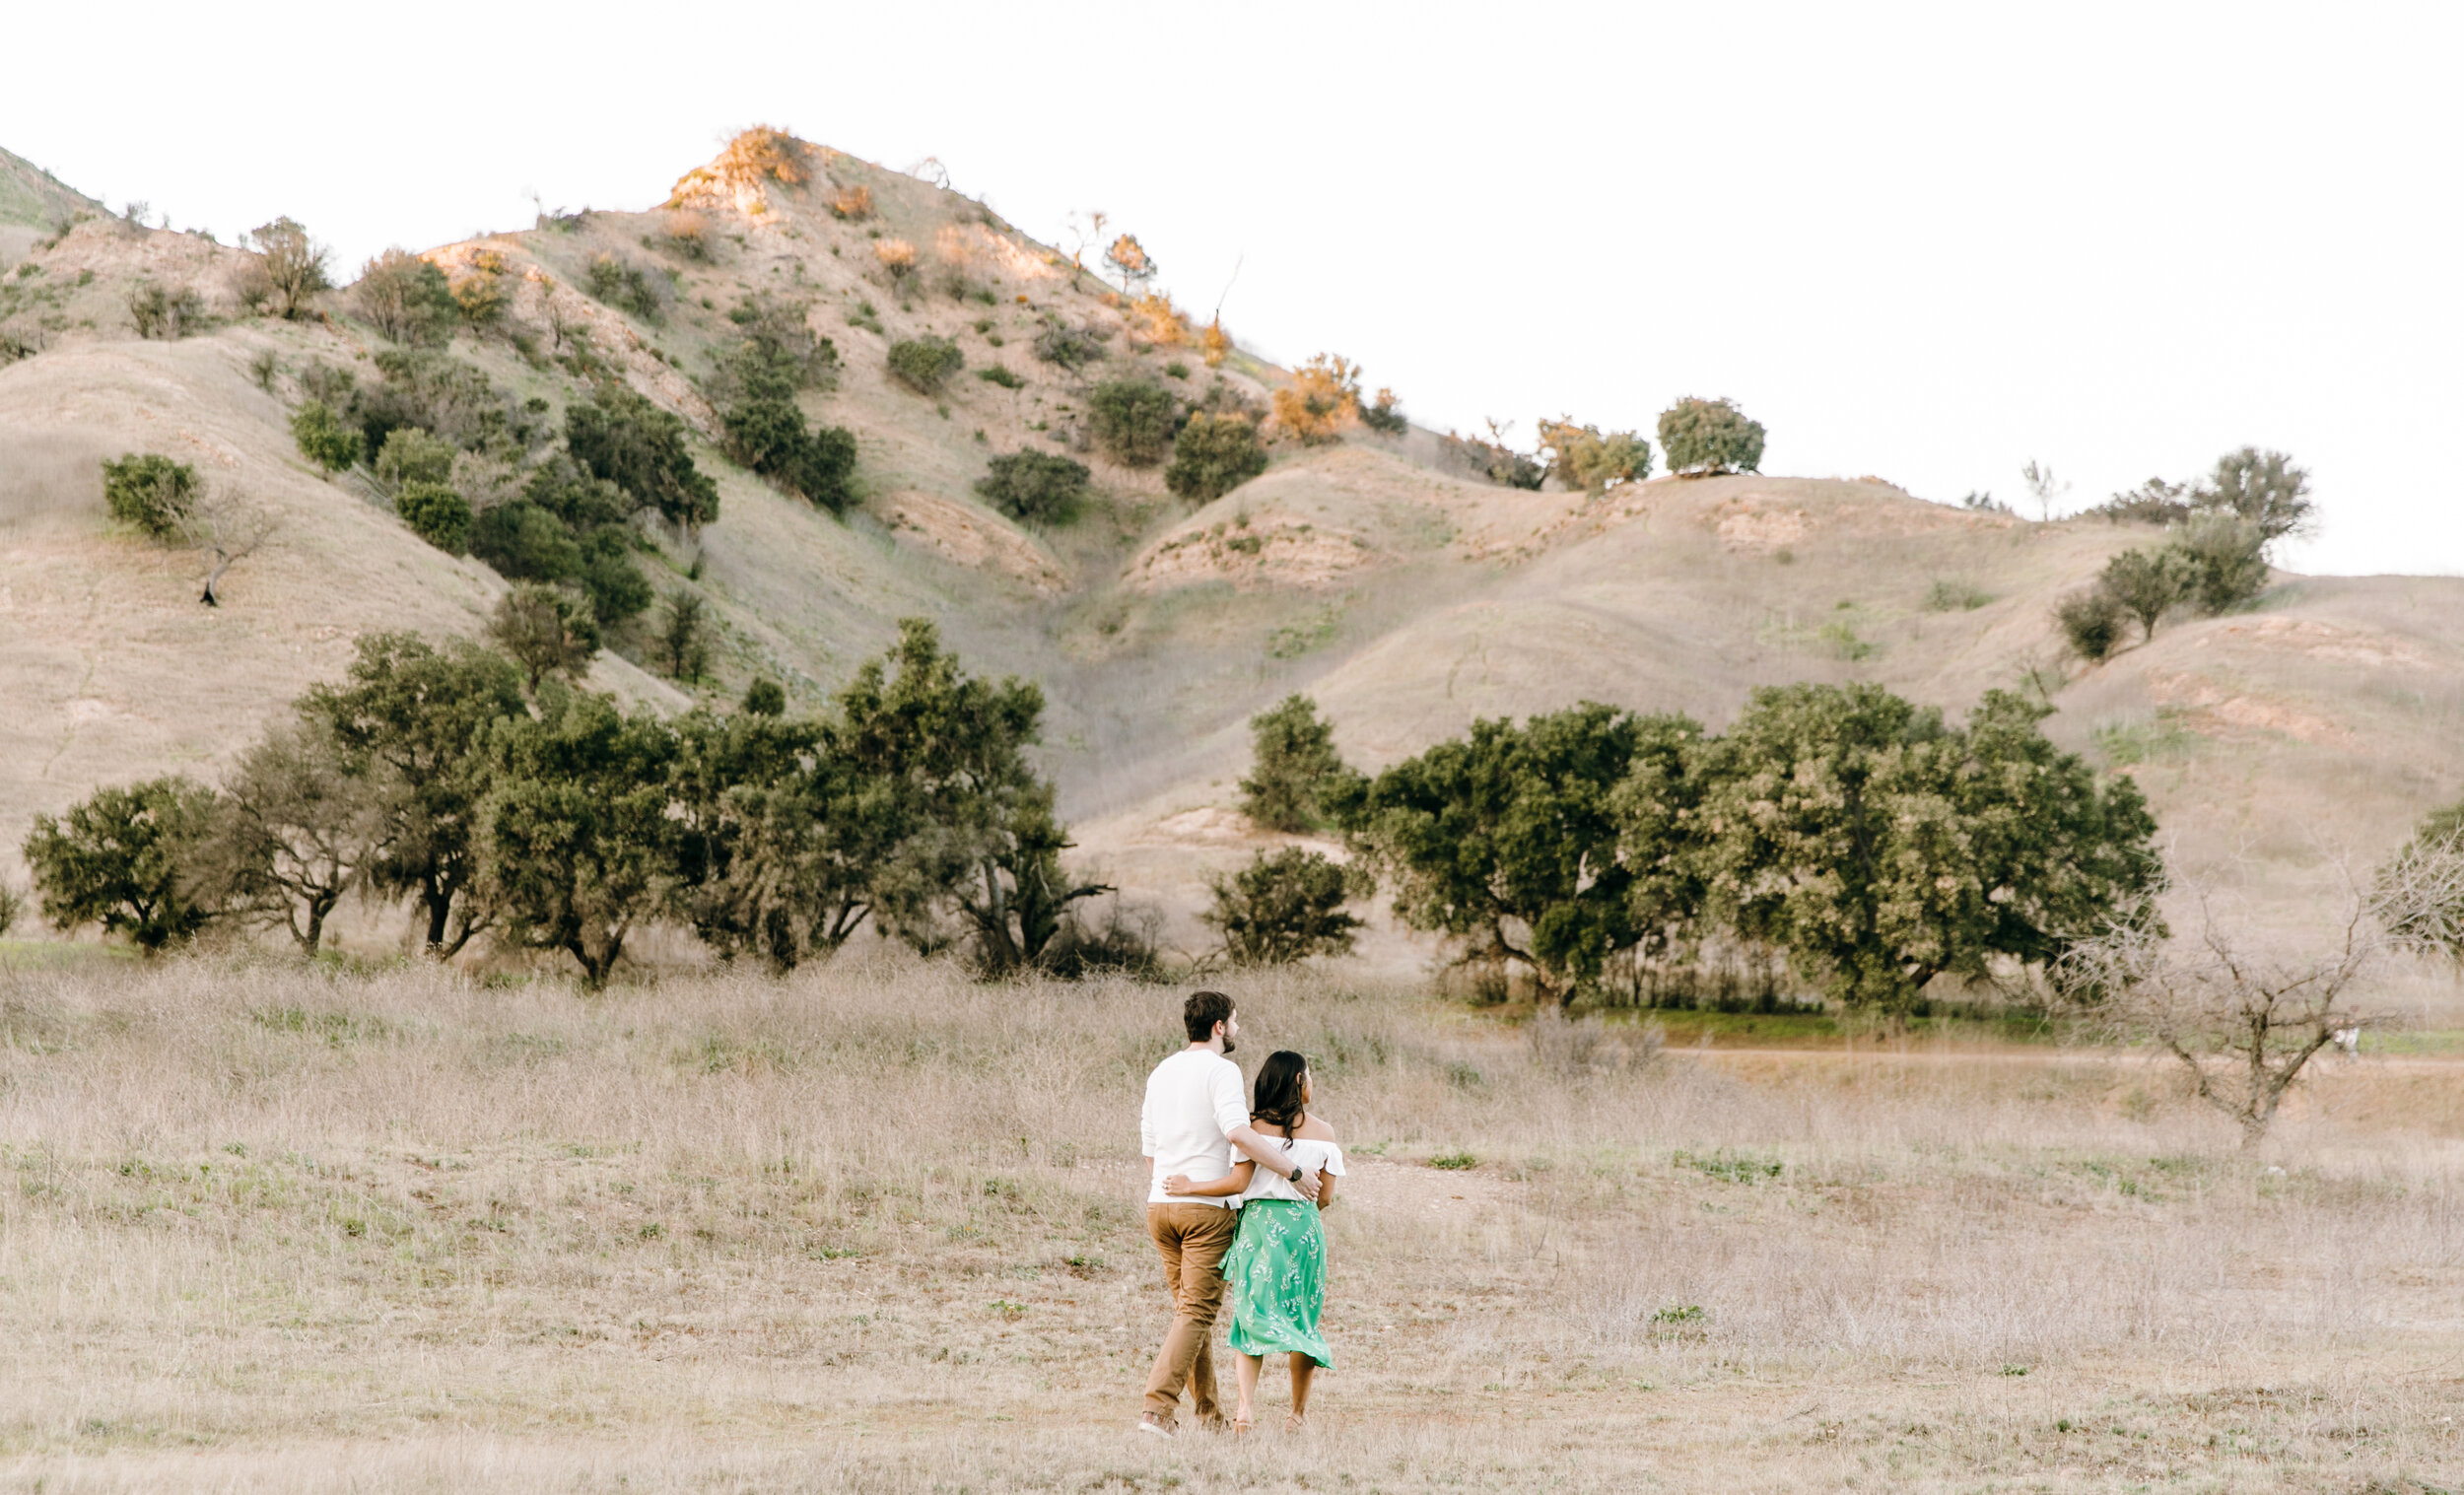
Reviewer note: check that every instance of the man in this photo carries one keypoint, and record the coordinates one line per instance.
(1194, 1114)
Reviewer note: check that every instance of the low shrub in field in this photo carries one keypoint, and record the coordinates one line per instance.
(414, 455)
(1946, 597)
(1286, 906)
(324, 438)
(1132, 421)
(1069, 347)
(688, 235)
(1212, 455)
(150, 492)
(852, 204)
(167, 313)
(897, 261)
(1322, 398)
(628, 287)
(407, 299)
(436, 512)
(1585, 461)
(2090, 621)
(1386, 415)
(1035, 487)
(925, 364)
(1704, 437)
(998, 374)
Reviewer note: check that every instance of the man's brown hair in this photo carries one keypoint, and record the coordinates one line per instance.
(1202, 1011)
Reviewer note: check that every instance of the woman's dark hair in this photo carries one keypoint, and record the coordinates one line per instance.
(1277, 1097)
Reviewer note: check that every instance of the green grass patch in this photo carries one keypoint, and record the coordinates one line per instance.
(2161, 738)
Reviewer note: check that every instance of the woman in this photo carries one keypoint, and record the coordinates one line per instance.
(1276, 1266)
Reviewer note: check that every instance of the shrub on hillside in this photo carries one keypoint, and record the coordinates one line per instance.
(2091, 622)
(545, 630)
(852, 204)
(766, 432)
(1035, 487)
(765, 151)
(407, 299)
(925, 364)
(765, 697)
(1131, 421)
(1322, 398)
(524, 542)
(2260, 488)
(1130, 261)
(1384, 414)
(688, 235)
(1212, 455)
(1215, 343)
(684, 643)
(150, 492)
(437, 513)
(1286, 906)
(897, 259)
(292, 267)
(626, 286)
(414, 455)
(622, 437)
(1070, 347)
(479, 291)
(2148, 585)
(127, 860)
(1295, 773)
(1153, 319)
(324, 438)
(1493, 459)
(167, 313)
(1702, 436)
(778, 338)
(2225, 557)
(1585, 461)
(997, 373)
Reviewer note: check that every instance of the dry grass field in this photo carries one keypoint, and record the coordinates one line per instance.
(878, 1228)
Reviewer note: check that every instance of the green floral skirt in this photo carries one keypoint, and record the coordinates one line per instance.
(1276, 1270)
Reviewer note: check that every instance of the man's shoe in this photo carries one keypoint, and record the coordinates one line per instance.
(1151, 1423)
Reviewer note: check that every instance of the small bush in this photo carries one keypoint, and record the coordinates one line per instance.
(2090, 620)
(1585, 461)
(407, 299)
(999, 374)
(1214, 344)
(290, 267)
(1068, 346)
(437, 513)
(764, 698)
(479, 291)
(628, 287)
(525, 542)
(1946, 597)
(764, 151)
(545, 631)
(1702, 436)
(2226, 560)
(1386, 415)
(167, 314)
(852, 204)
(1286, 906)
(1154, 319)
(1131, 421)
(684, 644)
(1322, 398)
(150, 492)
(414, 455)
(1295, 771)
(925, 364)
(1212, 455)
(778, 338)
(897, 261)
(324, 438)
(2148, 585)
(1035, 487)
(766, 432)
(1493, 459)
(688, 236)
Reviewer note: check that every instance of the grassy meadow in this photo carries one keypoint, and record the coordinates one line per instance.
(877, 1227)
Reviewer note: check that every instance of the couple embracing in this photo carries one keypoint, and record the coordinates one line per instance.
(1234, 1195)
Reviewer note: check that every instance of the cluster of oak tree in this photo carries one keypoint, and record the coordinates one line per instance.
(2218, 532)
(554, 819)
(1875, 844)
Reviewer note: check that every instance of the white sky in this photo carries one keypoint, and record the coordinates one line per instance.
(1928, 244)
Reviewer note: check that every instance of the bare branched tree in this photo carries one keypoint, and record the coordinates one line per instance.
(2044, 487)
(225, 531)
(2420, 894)
(2243, 1023)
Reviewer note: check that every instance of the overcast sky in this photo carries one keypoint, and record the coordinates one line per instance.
(1929, 244)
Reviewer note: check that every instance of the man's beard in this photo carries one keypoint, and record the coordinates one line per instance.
(1228, 1045)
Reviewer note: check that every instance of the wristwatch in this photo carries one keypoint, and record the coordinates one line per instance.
(1296, 1173)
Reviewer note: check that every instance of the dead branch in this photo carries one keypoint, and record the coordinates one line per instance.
(226, 531)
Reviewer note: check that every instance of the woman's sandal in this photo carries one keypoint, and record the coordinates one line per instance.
(1242, 1427)
(1293, 1423)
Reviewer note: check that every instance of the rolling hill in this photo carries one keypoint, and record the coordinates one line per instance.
(1406, 595)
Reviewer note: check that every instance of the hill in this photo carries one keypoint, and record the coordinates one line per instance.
(1408, 595)
(34, 203)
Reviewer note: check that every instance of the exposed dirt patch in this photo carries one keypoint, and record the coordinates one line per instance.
(1758, 525)
(970, 536)
(2326, 640)
(1269, 550)
(2208, 706)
